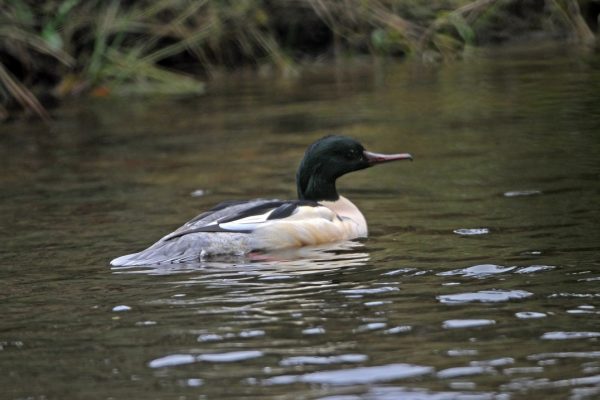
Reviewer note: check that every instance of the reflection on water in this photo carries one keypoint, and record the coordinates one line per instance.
(479, 280)
(269, 266)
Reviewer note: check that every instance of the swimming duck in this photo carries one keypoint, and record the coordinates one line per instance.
(319, 215)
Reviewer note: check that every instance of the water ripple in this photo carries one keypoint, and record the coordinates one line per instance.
(318, 330)
(565, 354)
(364, 291)
(462, 352)
(320, 360)
(484, 296)
(354, 376)
(471, 231)
(173, 360)
(530, 315)
(395, 393)
(398, 329)
(523, 370)
(544, 383)
(569, 335)
(233, 356)
(399, 271)
(373, 326)
(466, 323)
(478, 270)
(484, 270)
(464, 371)
(534, 268)
(520, 193)
(496, 362)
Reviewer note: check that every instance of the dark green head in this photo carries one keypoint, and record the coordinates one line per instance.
(331, 157)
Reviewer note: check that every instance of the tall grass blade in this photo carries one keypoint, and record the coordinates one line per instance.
(22, 95)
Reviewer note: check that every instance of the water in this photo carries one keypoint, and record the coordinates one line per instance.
(480, 279)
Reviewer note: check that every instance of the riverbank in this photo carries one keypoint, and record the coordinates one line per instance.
(66, 48)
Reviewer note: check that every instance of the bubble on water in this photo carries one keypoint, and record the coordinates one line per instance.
(354, 376)
(484, 296)
(466, 323)
(471, 231)
(478, 270)
(520, 193)
(569, 335)
(323, 360)
(530, 315)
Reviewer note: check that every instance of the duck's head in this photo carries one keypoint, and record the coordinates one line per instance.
(331, 157)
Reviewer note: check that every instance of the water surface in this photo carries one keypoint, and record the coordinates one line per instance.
(479, 280)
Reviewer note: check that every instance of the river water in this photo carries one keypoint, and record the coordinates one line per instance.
(480, 278)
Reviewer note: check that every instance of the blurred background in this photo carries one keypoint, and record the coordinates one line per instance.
(54, 49)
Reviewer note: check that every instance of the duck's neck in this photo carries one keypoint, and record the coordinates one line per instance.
(316, 187)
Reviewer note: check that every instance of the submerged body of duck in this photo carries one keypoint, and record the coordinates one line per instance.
(320, 215)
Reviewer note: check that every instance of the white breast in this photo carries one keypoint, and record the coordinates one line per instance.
(346, 209)
(308, 226)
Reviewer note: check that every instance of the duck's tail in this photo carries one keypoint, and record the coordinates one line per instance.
(189, 248)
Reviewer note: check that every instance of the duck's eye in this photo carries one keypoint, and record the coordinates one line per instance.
(351, 154)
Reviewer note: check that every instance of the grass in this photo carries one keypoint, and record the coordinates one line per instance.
(62, 48)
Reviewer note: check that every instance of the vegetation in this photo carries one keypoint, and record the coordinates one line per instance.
(58, 48)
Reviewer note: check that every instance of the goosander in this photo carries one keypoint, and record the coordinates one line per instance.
(319, 215)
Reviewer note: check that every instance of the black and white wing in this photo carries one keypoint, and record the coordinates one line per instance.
(240, 217)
